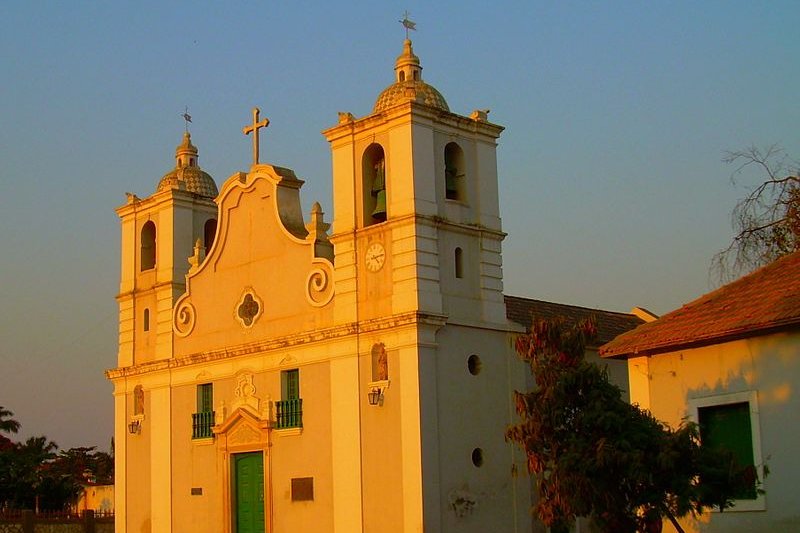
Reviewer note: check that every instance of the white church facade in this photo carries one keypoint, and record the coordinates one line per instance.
(297, 375)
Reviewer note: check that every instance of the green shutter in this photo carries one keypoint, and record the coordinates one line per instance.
(727, 427)
(291, 384)
(205, 398)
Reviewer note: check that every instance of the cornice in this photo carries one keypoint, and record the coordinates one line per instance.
(404, 320)
(411, 112)
(433, 221)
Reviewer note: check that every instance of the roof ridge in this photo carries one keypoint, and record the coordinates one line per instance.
(569, 305)
(761, 301)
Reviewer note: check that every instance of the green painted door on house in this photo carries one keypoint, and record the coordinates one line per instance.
(249, 492)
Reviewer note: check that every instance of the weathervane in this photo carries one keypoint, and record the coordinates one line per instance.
(254, 127)
(187, 118)
(407, 24)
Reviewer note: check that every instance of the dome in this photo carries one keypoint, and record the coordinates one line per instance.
(187, 174)
(414, 91)
(408, 85)
(195, 180)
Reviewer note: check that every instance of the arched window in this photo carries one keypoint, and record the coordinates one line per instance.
(459, 263)
(209, 231)
(146, 320)
(373, 171)
(148, 249)
(454, 172)
(402, 76)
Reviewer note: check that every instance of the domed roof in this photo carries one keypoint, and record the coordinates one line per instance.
(187, 174)
(413, 90)
(195, 180)
(408, 85)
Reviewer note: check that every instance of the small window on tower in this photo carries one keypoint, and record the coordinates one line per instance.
(148, 248)
(402, 76)
(459, 260)
(146, 320)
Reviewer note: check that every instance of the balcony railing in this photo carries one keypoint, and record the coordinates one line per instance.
(289, 413)
(201, 424)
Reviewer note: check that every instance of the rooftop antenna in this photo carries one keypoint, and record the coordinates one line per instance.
(407, 23)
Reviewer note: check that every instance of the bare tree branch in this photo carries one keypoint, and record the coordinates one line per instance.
(767, 219)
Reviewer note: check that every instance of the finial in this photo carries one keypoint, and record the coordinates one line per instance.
(480, 115)
(407, 24)
(186, 118)
(197, 257)
(317, 227)
(254, 127)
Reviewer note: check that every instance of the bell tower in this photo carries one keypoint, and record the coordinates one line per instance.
(417, 224)
(418, 276)
(158, 236)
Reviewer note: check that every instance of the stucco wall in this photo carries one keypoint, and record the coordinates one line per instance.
(767, 366)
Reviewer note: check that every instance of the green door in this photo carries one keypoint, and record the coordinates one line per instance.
(249, 492)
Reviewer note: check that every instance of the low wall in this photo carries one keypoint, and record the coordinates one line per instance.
(30, 522)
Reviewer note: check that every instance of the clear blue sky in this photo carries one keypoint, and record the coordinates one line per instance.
(613, 192)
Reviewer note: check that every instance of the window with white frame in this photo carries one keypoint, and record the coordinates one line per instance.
(731, 422)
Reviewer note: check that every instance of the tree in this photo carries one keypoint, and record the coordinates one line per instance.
(767, 220)
(23, 471)
(8, 424)
(593, 454)
(34, 476)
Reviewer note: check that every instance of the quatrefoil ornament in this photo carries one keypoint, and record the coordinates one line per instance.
(249, 308)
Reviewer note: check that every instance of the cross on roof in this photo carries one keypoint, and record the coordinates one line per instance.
(254, 127)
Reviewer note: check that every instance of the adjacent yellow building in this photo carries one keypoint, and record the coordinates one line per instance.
(729, 361)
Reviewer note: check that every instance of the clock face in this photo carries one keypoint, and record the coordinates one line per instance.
(375, 257)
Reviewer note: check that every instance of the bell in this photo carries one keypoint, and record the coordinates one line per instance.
(450, 186)
(380, 206)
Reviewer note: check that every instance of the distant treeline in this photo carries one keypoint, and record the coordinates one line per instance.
(35, 474)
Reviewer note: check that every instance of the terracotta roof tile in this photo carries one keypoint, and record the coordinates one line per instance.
(609, 323)
(764, 300)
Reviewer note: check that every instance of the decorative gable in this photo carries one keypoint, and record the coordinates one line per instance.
(266, 276)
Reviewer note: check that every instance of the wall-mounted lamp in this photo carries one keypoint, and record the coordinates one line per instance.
(375, 396)
(135, 427)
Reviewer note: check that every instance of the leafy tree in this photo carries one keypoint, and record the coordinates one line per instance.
(23, 471)
(8, 424)
(596, 455)
(767, 220)
(34, 476)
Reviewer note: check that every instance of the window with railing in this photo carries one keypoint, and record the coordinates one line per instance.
(203, 419)
(289, 411)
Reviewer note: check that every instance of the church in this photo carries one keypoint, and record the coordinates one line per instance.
(280, 373)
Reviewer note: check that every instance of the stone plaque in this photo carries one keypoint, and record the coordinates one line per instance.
(302, 489)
